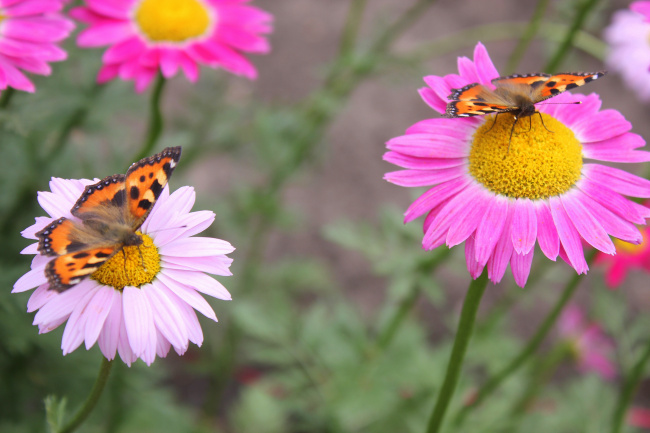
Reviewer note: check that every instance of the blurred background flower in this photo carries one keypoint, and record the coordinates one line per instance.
(30, 31)
(628, 37)
(151, 36)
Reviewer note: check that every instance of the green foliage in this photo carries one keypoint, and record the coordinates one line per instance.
(295, 351)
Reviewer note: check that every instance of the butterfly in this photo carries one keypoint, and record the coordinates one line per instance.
(108, 213)
(516, 94)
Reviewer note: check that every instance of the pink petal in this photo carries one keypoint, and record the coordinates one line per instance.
(498, 262)
(434, 197)
(188, 295)
(97, 312)
(138, 320)
(199, 281)
(415, 178)
(569, 236)
(490, 228)
(618, 180)
(467, 220)
(520, 265)
(586, 224)
(110, 334)
(524, 226)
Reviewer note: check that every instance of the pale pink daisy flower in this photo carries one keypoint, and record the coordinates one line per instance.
(147, 36)
(29, 33)
(589, 345)
(628, 37)
(503, 196)
(137, 322)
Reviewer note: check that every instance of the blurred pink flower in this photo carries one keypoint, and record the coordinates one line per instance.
(628, 37)
(29, 32)
(500, 197)
(589, 344)
(629, 257)
(137, 322)
(150, 35)
(642, 7)
(639, 416)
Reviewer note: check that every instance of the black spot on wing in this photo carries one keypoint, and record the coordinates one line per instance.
(551, 83)
(144, 204)
(156, 188)
(134, 192)
(118, 198)
(101, 255)
(142, 178)
(80, 255)
(571, 86)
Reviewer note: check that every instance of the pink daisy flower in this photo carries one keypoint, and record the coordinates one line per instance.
(137, 322)
(146, 36)
(29, 32)
(589, 345)
(628, 37)
(503, 196)
(629, 257)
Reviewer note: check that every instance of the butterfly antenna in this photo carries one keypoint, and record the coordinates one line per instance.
(542, 119)
(167, 228)
(560, 103)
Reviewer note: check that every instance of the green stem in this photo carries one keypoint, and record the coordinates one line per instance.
(494, 382)
(463, 335)
(527, 37)
(6, 97)
(400, 25)
(155, 118)
(92, 399)
(565, 45)
(351, 29)
(629, 388)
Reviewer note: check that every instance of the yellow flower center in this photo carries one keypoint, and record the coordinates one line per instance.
(539, 163)
(172, 20)
(631, 248)
(133, 266)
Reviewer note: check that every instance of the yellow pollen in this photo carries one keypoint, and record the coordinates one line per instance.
(133, 266)
(539, 164)
(632, 249)
(172, 20)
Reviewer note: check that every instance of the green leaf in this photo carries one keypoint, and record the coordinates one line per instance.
(54, 412)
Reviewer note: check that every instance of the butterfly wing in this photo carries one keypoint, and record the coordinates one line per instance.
(145, 181)
(559, 83)
(77, 249)
(474, 100)
(107, 193)
(67, 270)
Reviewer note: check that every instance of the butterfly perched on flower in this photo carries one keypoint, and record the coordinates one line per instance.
(107, 215)
(516, 94)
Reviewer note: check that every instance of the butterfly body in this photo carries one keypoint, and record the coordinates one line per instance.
(516, 94)
(108, 213)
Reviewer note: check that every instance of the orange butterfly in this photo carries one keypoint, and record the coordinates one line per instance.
(516, 94)
(110, 211)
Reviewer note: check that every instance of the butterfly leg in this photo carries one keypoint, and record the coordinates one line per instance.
(542, 119)
(493, 123)
(144, 266)
(511, 132)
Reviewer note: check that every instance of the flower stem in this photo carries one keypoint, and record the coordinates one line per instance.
(562, 51)
(629, 387)
(527, 37)
(526, 353)
(155, 118)
(6, 97)
(351, 29)
(92, 399)
(463, 335)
